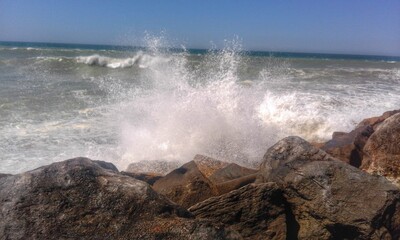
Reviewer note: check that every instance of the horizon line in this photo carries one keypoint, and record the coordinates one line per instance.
(205, 49)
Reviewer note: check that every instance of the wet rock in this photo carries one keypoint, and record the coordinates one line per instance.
(382, 150)
(348, 147)
(376, 121)
(331, 199)
(149, 178)
(189, 184)
(161, 167)
(255, 211)
(79, 199)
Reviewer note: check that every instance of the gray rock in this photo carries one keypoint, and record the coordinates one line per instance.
(79, 199)
(329, 198)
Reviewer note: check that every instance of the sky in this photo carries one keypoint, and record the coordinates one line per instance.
(340, 26)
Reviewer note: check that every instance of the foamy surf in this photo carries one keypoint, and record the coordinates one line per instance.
(127, 106)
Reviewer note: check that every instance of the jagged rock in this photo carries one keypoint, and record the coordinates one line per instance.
(79, 199)
(149, 178)
(331, 199)
(382, 150)
(230, 172)
(348, 147)
(256, 211)
(161, 167)
(189, 184)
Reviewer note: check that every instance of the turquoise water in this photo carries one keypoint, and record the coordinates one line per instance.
(124, 104)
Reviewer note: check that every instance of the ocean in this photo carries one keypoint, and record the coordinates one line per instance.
(126, 104)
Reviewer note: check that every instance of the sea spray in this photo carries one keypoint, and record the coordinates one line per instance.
(157, 103)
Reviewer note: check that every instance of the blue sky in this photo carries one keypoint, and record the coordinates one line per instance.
(361, 27)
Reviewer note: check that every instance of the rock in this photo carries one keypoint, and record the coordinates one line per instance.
(149, 178)
(208, 166)
(79, 199)
(161, 167)
(230, 172)
(376, 121)
(189, 184)
(231, 185)
(331, 199)
(4, 175)
(255, 211)
(106, 165)
(348, 147)
(382, 150)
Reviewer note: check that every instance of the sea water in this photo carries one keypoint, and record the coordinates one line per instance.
(127, 104)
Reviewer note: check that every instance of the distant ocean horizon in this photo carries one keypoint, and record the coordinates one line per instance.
(124, 104)
(291, 54)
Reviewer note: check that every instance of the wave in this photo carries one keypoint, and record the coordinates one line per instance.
(140, 59)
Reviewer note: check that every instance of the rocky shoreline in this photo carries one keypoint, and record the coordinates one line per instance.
(346, 188)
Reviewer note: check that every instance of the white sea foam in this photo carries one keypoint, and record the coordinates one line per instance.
(140, 59)
(229, 118)
(172, 106)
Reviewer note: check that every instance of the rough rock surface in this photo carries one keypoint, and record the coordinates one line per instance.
(189, 184)
(79, 199)
(348, 147)
(161, 167)
(230, 172)
(256, 211)
(331, 199)
(382, 150)
(149, 178)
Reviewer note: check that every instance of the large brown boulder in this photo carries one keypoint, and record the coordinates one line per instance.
(83, 199)
(189, 184)
(348, 147)
(382, 150)
(256, 211)
(331, 199)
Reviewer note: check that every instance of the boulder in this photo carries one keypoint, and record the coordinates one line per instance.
(80, 199)
(228, 186)
(149, 178)
(256, 211)
(230, 172)
(160, 167)
(189, 184)
(329, 198)
(382, 150)
(348, 147)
